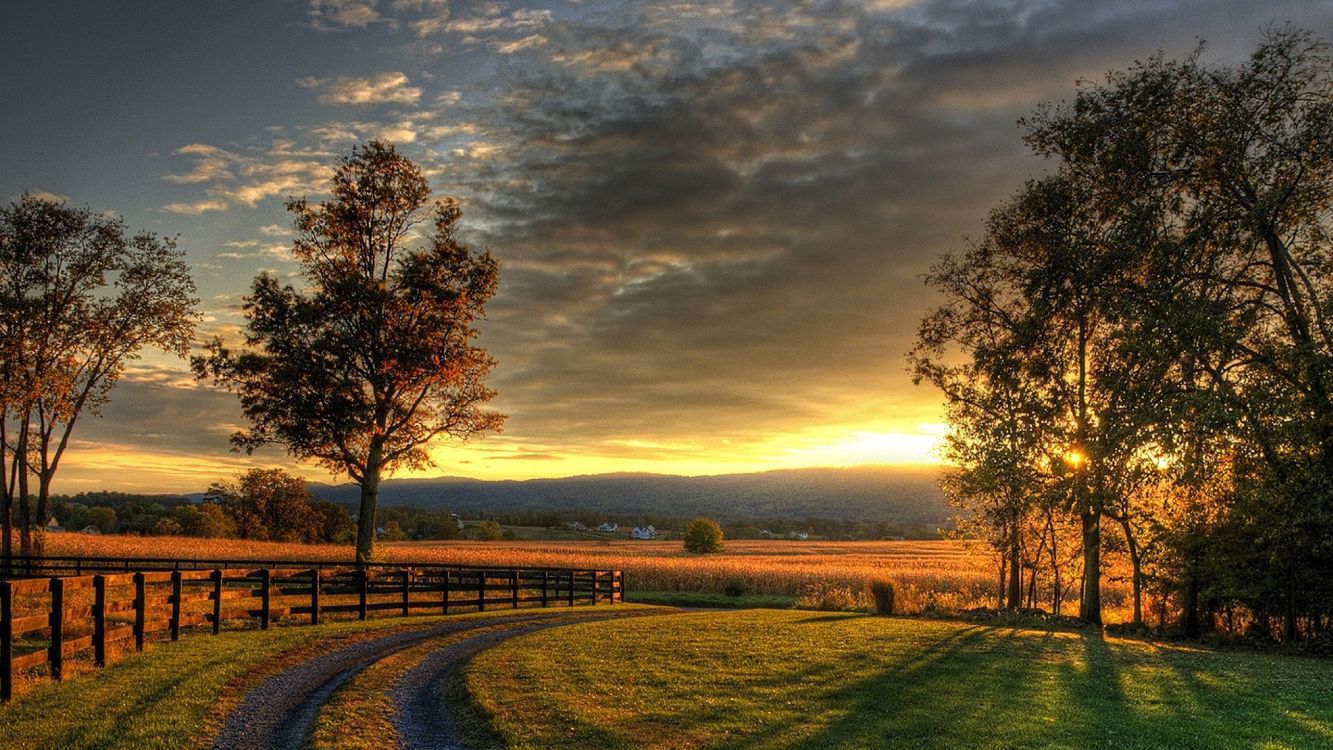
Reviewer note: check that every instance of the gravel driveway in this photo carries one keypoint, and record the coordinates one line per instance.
(280, 713)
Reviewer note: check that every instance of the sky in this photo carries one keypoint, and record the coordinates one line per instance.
(712, 217)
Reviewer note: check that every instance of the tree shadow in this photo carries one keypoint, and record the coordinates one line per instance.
(1008, 688)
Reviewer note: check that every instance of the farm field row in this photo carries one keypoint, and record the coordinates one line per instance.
(941, 574)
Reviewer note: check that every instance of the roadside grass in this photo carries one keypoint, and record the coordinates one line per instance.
(708, 599)
(175, 695)
(795, 679)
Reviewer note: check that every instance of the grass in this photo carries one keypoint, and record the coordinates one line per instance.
(174, 695)
(928, 575)
(710, 600)
(790, 679)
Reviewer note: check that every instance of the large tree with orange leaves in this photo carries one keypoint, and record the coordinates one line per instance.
(361, 370)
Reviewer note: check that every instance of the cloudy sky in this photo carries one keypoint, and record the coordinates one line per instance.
(712, 216)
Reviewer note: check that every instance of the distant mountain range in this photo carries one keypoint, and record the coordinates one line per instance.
(876, 494)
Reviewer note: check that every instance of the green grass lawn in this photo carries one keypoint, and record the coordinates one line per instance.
(793, 679)
(710, 599)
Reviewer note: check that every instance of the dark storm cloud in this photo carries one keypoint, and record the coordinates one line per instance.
(715, 226)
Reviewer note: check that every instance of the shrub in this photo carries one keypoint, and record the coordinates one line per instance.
(881, 593)
(734, 587)
(488, 531)
(830, 597)
(703, 535)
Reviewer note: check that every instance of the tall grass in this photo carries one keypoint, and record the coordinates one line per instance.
(927, 575)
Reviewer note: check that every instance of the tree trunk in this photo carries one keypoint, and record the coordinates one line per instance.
(6, 493)
(370, 493)
(1091, 606)
(1015, 593)
(43, 513)
(1289, 620)
(1191, 603)
(1136, 563)
(24, 499)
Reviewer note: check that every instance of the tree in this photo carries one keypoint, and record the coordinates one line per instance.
(375, 359)
(269, 504)
(79, 300)
(488, 531)
(103, 518)
(703, 535)
(1240, 161)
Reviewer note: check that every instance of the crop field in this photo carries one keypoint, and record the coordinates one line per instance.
(944, 575)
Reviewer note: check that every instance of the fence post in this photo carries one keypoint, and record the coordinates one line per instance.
(99, 621)
(6, 640)
(621, 576)
(56, 653)
(513, 587)
(140, 607)
(481, 591)
(407, 592)
(265, 595)
(445, 573)
(545, 576)
(314, 596)
(217, 601)
(571, 587)
(363, 581)
(175, 605)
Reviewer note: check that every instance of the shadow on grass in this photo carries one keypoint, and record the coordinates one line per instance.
(1006, 688)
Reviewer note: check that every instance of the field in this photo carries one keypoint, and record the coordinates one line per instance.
(774, 679)
(928, 575)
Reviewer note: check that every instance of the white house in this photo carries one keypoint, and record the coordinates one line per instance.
(609, 527)
(647, 532)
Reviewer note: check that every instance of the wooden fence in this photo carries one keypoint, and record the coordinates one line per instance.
(48, 619)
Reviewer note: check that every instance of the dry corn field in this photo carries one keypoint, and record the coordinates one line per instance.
(945, 575)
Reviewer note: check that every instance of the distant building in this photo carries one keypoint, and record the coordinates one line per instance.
(91, 530)
(53, 525)
(577, 526)
(799, 535)
(612, 527)
(647, 532)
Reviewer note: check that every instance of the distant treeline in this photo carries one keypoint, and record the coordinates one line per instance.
(271, 507)
(267, 505)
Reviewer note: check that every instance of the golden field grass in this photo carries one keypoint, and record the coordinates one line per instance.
(945, 575)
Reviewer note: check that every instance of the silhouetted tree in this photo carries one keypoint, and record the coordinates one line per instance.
(270, 504)
(375, 359)
(79, 300)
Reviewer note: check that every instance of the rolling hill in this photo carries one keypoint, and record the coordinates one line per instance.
(873, 494)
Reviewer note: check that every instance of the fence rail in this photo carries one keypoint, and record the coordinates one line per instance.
(48, 615)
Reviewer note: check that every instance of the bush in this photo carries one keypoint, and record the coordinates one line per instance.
(830, 597)
(734, 587)
(488, 531)
(881, 593)
(703, 535)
